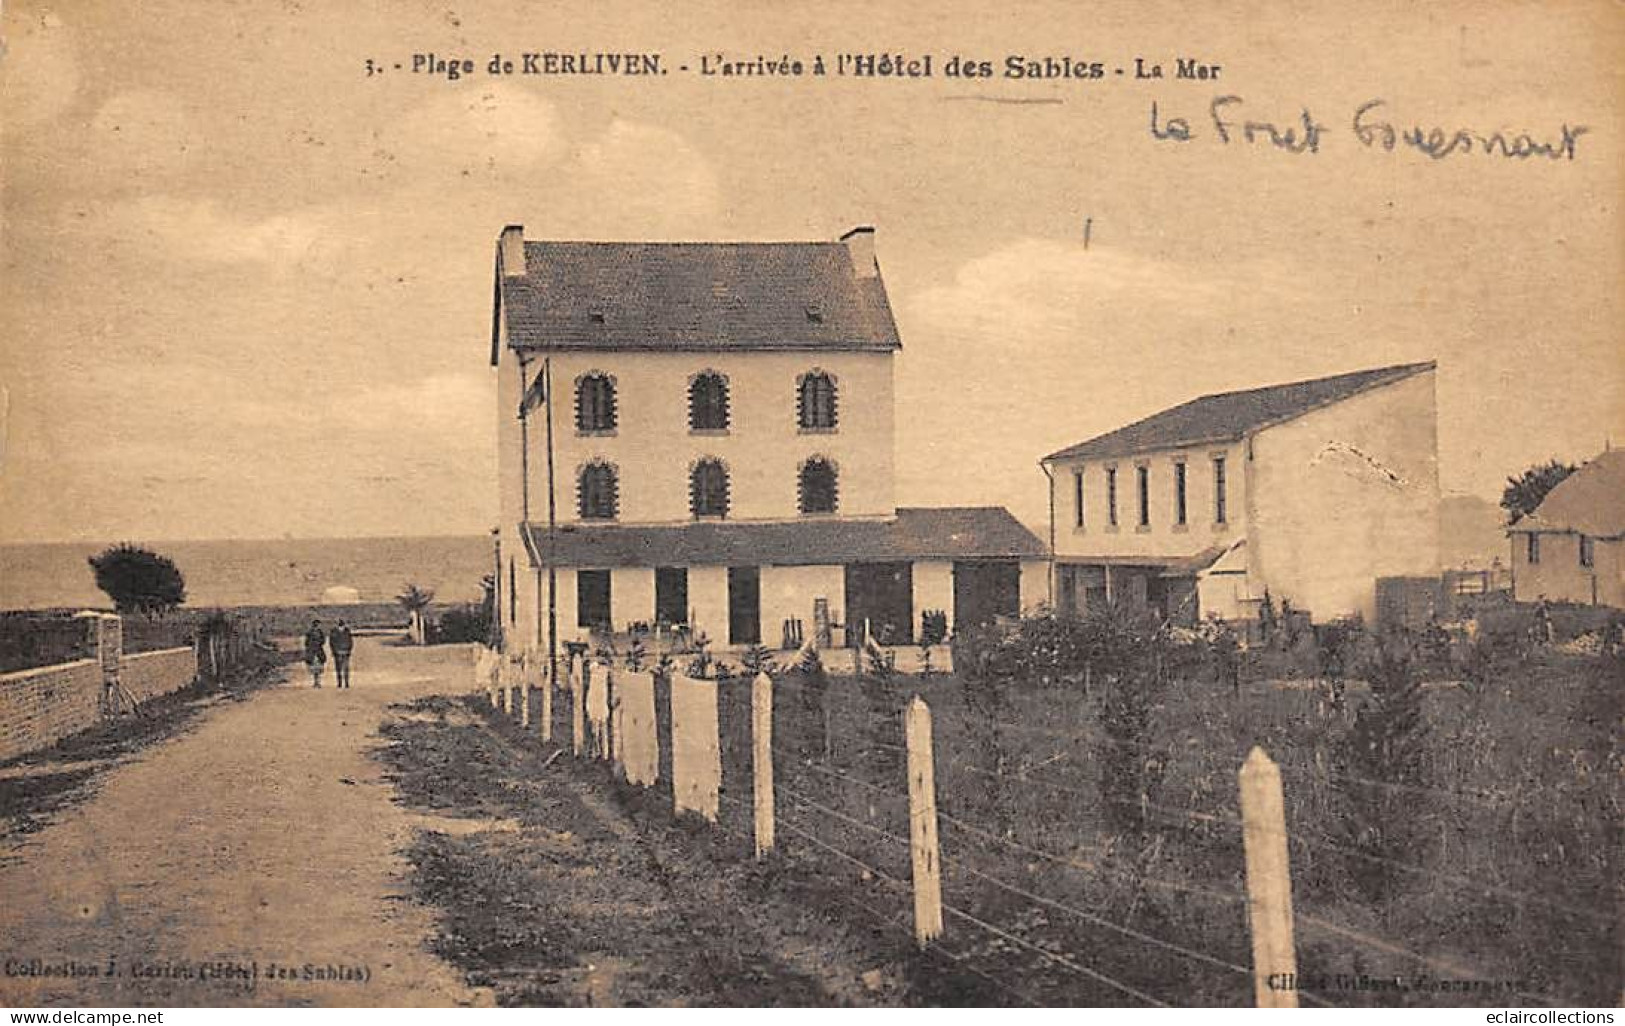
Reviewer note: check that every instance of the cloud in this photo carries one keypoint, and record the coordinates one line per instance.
(640, 179)
(501, 131)
(204, 231)
(39, 75)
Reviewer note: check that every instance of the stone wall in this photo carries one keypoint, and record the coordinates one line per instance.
(41, 706)
(151, 674)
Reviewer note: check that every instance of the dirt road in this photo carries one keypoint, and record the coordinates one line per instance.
(254, 859)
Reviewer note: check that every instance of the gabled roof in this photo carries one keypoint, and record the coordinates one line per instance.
(968, 532)
(1231, 416)
(689, 296)
(1590, 501)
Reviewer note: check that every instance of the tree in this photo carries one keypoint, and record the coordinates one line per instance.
(137, 580)
(1524, 492)
(415, 601)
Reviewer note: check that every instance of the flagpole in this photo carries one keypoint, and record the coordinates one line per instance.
(552, 531)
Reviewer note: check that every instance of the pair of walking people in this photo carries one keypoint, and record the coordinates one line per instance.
(317, 643)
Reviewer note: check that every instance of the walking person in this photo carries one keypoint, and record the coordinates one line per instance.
(316, 652)
(342, 642)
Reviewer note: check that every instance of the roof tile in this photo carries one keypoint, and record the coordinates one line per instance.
(940, 533)
(1230, 416)
(695, 296)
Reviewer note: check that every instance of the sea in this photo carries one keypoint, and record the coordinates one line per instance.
(290, 571)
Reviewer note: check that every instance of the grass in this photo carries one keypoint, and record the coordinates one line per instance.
(1498, 862)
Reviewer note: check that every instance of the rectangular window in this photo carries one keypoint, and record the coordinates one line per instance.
(592, 599)
(1142, 483)
(513, 593)
(1532, 548)
(1220, 504)
(671, 595)
(1588, 555)
(1077, 498)
(1179, 494)
(1111, 496)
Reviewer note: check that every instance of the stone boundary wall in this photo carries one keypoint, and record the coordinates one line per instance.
(39, 707)
(150, 674)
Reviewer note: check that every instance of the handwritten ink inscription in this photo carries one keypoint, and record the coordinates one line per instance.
(1230, 121)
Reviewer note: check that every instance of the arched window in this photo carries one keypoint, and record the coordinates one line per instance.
(816, 487)
(708, 402)
(708, 488)
(815, 401)
(595, 403)
(600, 496)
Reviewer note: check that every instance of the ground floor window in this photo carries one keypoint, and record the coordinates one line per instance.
(744, 605)
(881, 596)
(985, 590)
(671, 595)
(592, 599)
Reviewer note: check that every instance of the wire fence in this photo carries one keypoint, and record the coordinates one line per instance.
(1062, 882)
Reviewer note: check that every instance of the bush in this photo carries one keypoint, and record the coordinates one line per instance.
(461, 624)
(138, 580)
(1382, 768)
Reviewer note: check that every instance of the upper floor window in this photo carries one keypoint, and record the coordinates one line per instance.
(708, 488)
(1220, 499)
(1588, 553)
(817, 486)
(815, 401)
(1179, 494)
(599, 492)
(1111, 496)
(1532, 548)
(1077, 498)
(1142, 484)
(708, 402)
(595, 402)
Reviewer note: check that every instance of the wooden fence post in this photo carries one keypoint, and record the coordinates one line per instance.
(761, 736)
(578, 706)
(547, 700)
(922, 823)
(522, 672)
(1269, 882)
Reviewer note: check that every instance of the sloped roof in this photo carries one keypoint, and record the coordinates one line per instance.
(1229, 416)
(694, 296)
(968, 532)
(1590, 501)
(1190, 566)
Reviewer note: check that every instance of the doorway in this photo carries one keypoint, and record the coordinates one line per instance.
(671, 595)
(984, 590)
(883, 594)
(592, 599)
(744, 605)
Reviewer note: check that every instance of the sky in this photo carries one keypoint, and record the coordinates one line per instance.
(245, 288)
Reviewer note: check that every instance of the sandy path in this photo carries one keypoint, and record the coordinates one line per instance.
(265, 836)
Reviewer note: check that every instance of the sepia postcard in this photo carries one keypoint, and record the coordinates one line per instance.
(843, 504)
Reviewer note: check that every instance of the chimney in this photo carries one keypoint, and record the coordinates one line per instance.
(860, 246)
(511, 250)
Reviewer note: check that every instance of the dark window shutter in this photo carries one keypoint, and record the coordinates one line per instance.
(708, 403)
(817, 488)
(708, 489)
(595, 403)
(599, 497)
(815, 402)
